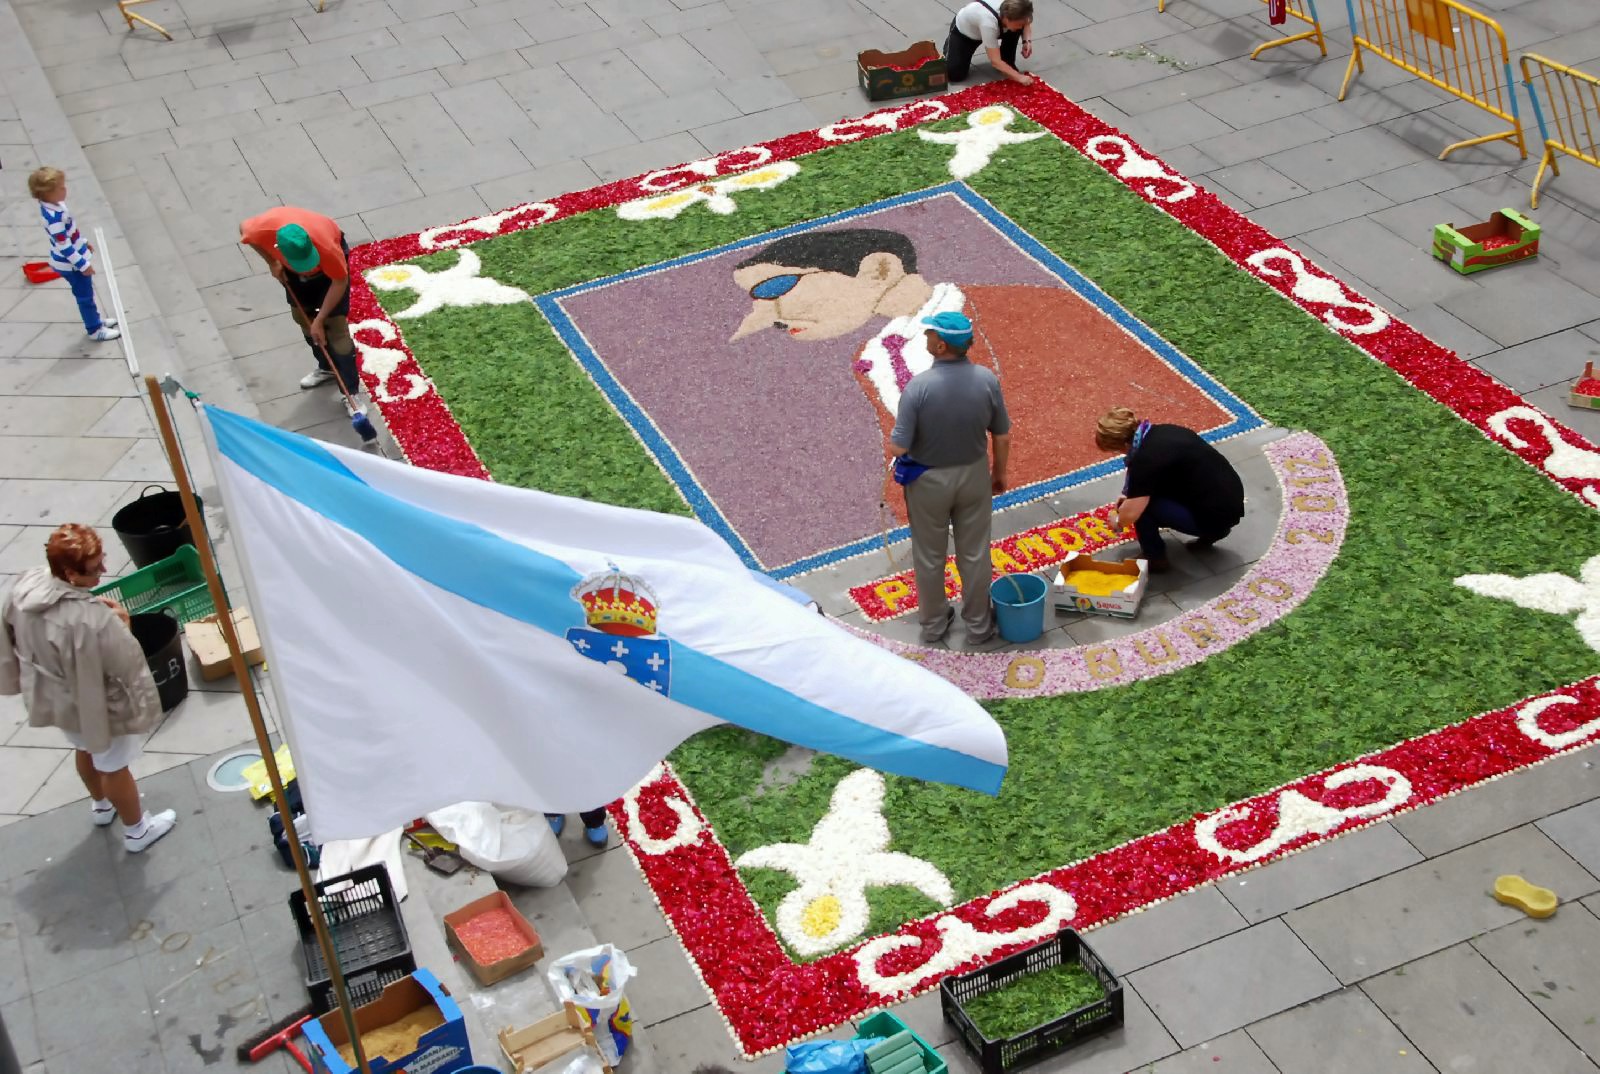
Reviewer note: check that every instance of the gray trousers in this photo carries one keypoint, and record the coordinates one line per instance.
(943, 499)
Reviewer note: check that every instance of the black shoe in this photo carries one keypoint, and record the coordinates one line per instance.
(1160, 566)
(1203, 544)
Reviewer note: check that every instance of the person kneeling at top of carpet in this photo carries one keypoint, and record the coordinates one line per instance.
(79, 669)
(998, 30)
(1175, 479)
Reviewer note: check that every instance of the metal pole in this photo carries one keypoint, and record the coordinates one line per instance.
(241, 672)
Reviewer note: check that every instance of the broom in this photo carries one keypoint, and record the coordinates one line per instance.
(278, 1035)
(358, 418)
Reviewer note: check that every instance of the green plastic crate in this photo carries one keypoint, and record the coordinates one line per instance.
(884, 1025)
(175, 583)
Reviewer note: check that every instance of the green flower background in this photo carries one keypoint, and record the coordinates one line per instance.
(1384, 649)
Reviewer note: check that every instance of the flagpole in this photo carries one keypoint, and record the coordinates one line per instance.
(252, 703)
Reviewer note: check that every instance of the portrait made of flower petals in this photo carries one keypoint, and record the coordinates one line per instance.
(727, 339)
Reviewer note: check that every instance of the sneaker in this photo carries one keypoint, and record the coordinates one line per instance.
(598, 837)
(316, 378)
(109, 322)
(936, 634)
(155, 826)
(102, 815)
(107, 331)
(558, 822)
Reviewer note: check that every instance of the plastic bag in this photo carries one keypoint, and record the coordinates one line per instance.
(510, 843)
(594, 979)
(828, 1057)
(584, 1064)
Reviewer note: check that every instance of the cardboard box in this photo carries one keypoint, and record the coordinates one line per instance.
(211, 651)
(1585, 392)
(441, 1050)
(1123, 605)
(488, 974)
(918, 69)
(1507, 236)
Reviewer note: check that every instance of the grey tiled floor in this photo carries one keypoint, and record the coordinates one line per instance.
(1377, 952)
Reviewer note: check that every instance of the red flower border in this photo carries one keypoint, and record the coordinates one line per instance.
(769, 1000)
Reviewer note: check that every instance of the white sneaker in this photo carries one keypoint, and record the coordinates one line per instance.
(155, 826)
(106, 331)
(102, 816)
(316, 378)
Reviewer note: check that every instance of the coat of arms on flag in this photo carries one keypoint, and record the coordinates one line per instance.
(621, 631)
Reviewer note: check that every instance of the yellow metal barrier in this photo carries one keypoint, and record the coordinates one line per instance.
(1304, 10)
(1446, 44)
(1572, 101)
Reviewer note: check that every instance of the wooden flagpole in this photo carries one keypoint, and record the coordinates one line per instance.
(241, 672)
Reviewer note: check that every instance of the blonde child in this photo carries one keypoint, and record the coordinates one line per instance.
(69, 253)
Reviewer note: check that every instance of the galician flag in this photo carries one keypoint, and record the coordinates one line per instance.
(438, 639)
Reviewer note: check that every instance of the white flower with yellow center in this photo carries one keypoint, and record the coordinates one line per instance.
(986, 132)
(715, 196)
(847, 853)
(458, 285)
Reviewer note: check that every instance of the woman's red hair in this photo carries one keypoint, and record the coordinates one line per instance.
(71, 548)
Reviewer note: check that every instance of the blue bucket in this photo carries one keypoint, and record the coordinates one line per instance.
(1019, 606)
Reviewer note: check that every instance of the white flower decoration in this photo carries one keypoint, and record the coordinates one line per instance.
(1553, 593)
(986, 132)
(714, 196)
(458, 285)
(848, 853)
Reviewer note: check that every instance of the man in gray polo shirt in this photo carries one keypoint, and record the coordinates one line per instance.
(948, 414)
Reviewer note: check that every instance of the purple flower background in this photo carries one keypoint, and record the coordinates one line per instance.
(776, 431)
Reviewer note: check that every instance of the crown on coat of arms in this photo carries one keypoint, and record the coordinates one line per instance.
(616, 603)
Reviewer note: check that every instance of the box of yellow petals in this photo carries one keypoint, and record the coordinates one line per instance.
(1092, 586)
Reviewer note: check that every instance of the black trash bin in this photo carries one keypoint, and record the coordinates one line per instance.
(162, 641)
(153, 527)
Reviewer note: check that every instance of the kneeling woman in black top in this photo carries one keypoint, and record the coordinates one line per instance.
(1175, 479)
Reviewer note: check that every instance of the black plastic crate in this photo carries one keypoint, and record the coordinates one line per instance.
(364, 920)
(362, 988)
(1030, 1046)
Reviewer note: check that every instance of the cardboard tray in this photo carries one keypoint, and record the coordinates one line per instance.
(1124, 605)
(441, 1050)
(211, 651)
(875, 70)
(496, 971)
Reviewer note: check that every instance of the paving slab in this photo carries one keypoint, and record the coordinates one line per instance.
(1167, 929)
(1431, 905)
(1226, 984)
(1555, 965)
(701, 1036)
(1527, 306)
(1577, 831)
(32, 503)
(1234, 1052)
(667, 985)
(1319, 871)
(1505, 803)
(616, 901)
(1344, 1031)
(1463, 1014)
(114, 1035)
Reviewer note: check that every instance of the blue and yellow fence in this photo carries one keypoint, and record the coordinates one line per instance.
(1446, 44)
(1569, 118)
(1303, 10)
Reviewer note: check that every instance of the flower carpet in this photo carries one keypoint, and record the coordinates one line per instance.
(728, 339)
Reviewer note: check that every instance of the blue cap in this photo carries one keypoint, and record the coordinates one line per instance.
(952, 327)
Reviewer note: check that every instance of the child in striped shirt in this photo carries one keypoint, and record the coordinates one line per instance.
(69, 253)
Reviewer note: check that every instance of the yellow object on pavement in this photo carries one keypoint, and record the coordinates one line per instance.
(256, 773)
(1531, 899)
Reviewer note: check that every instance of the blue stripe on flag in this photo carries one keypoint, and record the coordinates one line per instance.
(533, 588)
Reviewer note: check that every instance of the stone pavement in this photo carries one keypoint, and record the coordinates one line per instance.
(1377, 952)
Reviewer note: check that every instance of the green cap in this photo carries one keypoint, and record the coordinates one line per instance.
(297, 249)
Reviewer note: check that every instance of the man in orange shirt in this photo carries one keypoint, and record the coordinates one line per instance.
(307, 253)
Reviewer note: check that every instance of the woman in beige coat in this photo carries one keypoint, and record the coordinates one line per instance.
(78, 668)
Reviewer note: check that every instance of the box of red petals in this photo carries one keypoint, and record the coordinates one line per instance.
(492, 938)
